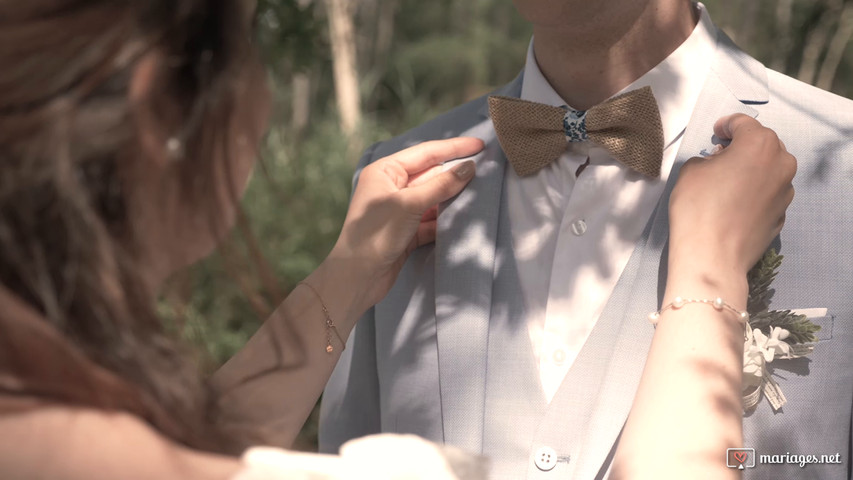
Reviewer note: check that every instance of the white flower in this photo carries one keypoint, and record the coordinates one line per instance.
(758, 350)
(753, 360)
(774, 346)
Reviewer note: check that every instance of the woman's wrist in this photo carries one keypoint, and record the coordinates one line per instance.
(700, 279)
(346, 280)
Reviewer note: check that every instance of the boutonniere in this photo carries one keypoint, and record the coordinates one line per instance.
(772, 335)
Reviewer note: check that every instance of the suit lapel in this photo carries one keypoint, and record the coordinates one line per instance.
(603, 381)
(465, 258)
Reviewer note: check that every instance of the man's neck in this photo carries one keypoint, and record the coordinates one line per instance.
(589, 61)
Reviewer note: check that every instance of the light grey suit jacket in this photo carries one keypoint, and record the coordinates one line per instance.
(420, 361)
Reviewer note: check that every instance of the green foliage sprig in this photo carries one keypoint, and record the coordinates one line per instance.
(760, 278)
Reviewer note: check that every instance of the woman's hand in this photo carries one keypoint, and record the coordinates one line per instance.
(392, 212)
(727, 208)
(394, 209)
(724, 211)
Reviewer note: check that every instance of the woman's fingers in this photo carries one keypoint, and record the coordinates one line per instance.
(430, 214)
(739, 125)
(427, 227)
(428, 154)
(425, 176)
(426, 233)
(440, 187)
(725, 127)
(756, 140)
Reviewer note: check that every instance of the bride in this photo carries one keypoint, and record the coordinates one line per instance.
(128, 130)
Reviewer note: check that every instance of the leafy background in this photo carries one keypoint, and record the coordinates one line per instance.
(412, 60)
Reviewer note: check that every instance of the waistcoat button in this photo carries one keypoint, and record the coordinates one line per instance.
(545, 458)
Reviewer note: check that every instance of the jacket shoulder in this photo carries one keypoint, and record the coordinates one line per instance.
(449, 124)
(799, 98)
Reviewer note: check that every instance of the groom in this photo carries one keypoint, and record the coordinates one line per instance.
(521, 334)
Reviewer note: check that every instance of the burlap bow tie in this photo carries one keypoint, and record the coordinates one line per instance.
(533, 134)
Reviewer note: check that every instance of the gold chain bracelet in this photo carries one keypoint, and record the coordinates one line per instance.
(330, 325)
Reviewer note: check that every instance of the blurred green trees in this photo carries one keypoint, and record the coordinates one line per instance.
(414, 59)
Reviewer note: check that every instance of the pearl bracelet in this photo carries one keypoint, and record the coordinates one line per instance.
(718, 303)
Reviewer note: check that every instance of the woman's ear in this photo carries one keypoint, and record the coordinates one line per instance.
(152, 132)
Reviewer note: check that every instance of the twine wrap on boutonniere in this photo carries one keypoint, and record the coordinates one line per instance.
(772, 335)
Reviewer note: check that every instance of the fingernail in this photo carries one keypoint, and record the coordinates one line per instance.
(464, 170)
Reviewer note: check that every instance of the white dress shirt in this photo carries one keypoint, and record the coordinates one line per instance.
(573, 235)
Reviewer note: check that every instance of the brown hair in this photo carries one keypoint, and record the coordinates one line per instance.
(66, 124)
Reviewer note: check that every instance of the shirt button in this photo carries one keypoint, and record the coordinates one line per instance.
(578, 227)
(559, 356)
(545, 459)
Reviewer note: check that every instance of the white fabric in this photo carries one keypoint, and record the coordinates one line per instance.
(573, 236)
(376, 457)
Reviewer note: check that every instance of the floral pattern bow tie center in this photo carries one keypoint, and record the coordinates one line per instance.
(574, 125)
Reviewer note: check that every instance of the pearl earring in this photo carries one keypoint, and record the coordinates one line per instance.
(175, 148)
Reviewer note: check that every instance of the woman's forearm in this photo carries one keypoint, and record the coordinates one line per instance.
(268, 389)
(687, 411)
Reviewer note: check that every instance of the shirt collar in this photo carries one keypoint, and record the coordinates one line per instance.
(676, 81)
